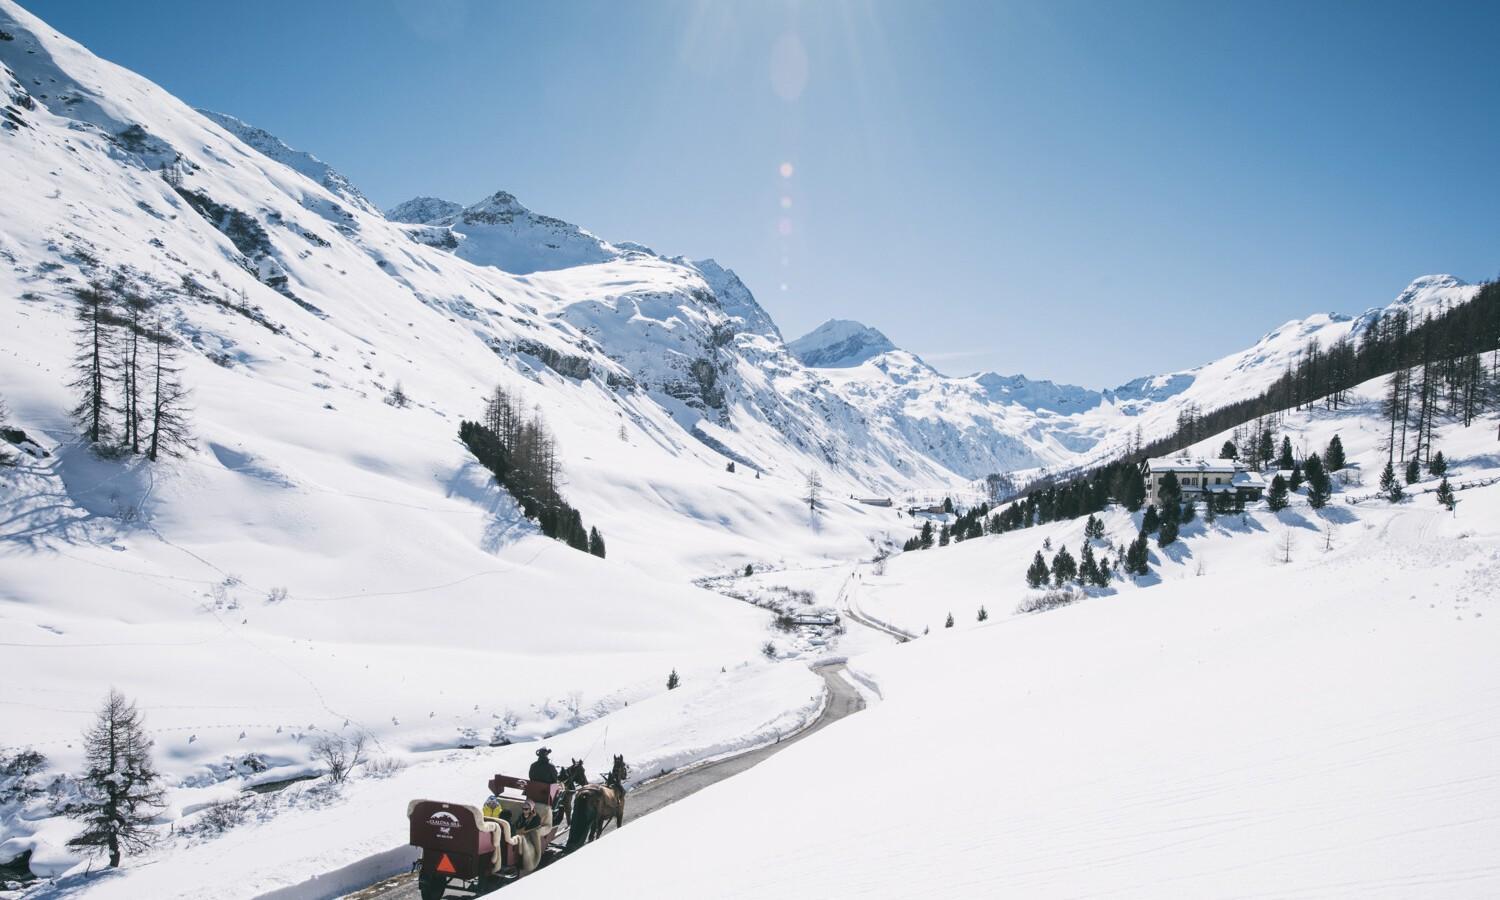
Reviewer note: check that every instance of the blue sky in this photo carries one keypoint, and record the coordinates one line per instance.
(1079, 191)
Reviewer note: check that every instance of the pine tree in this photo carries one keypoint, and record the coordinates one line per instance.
(926, 535)
(983, 613)
(813, 491)
(1189, 510)
(1064, 567)
(1036, 575)
(1445, 493)
(1276, 498)
(1413, 471)
(948, 505)
(1138, 556)
(120, 792)
(1229, 451)
(1167, 533)
(1088, 566)
(1333, 459)
(1151, 521)
(749, 570)
(949, 623)
(1132, 489)
(944, 535)
(1319, 487)
(1211, 507)
(596, 544)
(94, 345)
(1389, 485)
(1438, 467)
(673, 681)
(1169, 499)
(1296, 480)
(170, 433)
(136, 307)
(1286, 460)
(1265, 449)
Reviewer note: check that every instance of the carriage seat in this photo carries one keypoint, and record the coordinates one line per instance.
(475, 835)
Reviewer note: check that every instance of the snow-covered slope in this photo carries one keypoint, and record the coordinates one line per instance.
(322, 560)
(1236, 725)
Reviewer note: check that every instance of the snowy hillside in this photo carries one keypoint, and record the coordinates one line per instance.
(1236, 725)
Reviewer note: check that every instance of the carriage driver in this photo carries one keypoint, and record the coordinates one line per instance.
(543, 770)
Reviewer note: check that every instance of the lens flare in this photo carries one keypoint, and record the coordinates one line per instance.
(786, 170)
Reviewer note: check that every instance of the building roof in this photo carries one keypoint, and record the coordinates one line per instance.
(1248, 479)
(1190, 464)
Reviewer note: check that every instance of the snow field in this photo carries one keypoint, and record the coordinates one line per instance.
(1329, 727)
(324, 849)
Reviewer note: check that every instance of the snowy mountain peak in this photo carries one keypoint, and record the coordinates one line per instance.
(424, 211)
(498, 231)
(1428, 289)
(271, 146)
(839, 344)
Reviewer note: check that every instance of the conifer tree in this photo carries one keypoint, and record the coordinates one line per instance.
(1088, 566)
(1167, 533)
(1389, 485)
(673, 681)
(1265, 449)
(168, 415)
(1036, 575)
(1445, 493)
(1211, 508)
(1438, 467)
(119, 792)
(1286, 460)
(1189, 510)
(949, 623)
(1151, 520)
(1138, 556)
(1229, 451)
(596, 545)
(1276, 498)
(1064, 567)
(983, 613)
(1333, 458)
(1319, 487)
(1169, 499)
(926, 535)
(944, 535)
(1296, 480)
(1413, 471)
(94, 345)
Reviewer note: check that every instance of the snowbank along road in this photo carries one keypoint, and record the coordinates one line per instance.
(660, 792)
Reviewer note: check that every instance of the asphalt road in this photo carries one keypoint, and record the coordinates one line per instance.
(665, 790)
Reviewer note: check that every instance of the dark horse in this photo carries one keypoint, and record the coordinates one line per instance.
(573, 777)
(596, 804)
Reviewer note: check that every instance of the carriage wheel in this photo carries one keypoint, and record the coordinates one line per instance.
(432, 887)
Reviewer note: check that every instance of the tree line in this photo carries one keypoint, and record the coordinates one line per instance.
(128, 390)
(1448, 362)
(518, 448)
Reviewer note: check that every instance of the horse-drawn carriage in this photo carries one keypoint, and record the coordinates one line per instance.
(464, 848)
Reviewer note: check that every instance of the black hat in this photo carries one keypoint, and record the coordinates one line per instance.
(543, 752)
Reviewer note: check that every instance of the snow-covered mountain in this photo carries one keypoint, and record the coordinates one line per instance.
(839, 344)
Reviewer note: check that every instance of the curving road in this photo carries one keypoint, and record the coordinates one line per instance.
(665, 790)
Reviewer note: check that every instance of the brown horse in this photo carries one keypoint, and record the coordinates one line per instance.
(595, 804)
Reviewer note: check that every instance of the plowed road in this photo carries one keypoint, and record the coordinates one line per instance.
(652, 795)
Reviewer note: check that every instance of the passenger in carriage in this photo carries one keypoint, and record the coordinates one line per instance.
(528, 828)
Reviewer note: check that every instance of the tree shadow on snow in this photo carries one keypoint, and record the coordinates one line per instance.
(75, 497)
(505, 524)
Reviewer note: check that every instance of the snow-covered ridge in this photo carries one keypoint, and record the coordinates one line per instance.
(309, 165)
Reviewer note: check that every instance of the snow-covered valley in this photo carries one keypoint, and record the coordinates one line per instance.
(325, 558)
